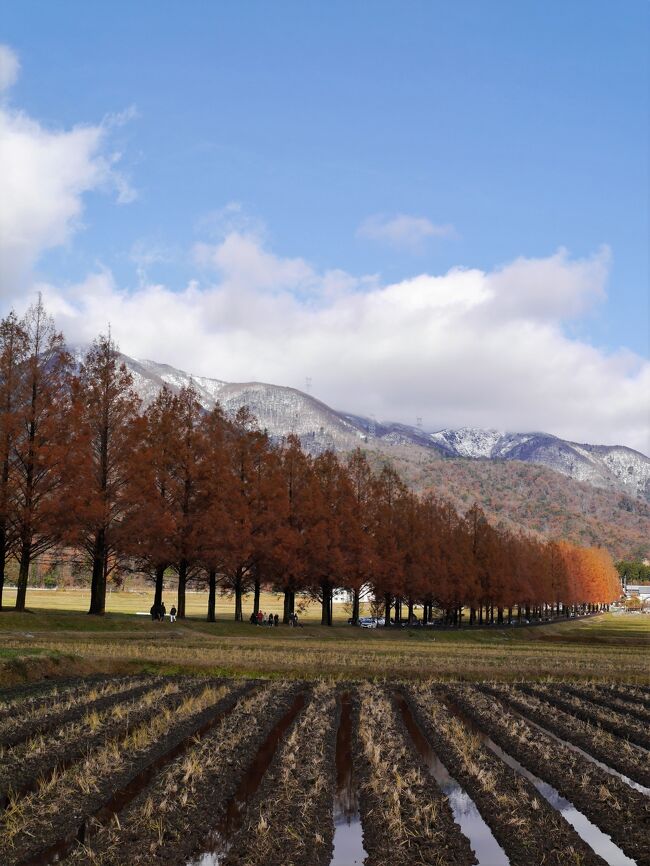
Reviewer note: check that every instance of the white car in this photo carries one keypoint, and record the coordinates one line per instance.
(367, 622)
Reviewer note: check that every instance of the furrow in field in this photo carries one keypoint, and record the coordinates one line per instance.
(290, 818)
(611, 750)
(38, 828)
(24, 699)
(40, 757)
(625, 726)
(528, 828)
(406, 818)
(615, 807)
(608, 698)
(171, 819)
(41, 720)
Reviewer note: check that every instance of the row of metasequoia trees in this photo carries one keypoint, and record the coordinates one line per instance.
(171, 486)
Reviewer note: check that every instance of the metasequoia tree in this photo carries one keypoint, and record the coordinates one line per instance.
(106, 440)
(40, 447)
(13, 354)
(215, 499)
(185, 493)
(152, 490)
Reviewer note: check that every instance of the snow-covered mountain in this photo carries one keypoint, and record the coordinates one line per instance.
(282, 410)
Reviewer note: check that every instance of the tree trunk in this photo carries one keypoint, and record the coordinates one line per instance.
(289, 604)
(182, 583)
(98, 581)
(238, 596)
(355, 606)
(410, 614)
(158, 591)
(387, 606)
(256, 596)
(212, 595)
(3, 557)
(23, 574)
(326, 604)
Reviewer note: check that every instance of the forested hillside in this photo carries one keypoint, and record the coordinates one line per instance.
(522, 494)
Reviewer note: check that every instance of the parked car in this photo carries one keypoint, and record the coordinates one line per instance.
(367, 622)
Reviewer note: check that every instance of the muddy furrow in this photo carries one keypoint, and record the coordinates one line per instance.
(632, 694)
(290, 819)
(613, 751)
(170, 820)
(618, 724)
(19, 728)
(41, 827)
(406, 818)
(32, 697)
(620, 811)
(608, 699)
(528, 828)
(39, 758)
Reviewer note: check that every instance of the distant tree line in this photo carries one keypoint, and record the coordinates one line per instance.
(172, 486)
(633, 571)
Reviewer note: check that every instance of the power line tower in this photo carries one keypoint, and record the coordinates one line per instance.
(308, 384)
(372, 426)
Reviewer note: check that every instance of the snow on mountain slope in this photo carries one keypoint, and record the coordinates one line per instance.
(282, 410)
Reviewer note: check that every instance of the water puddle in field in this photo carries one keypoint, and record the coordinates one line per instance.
(348, 833)
(600, 842)
(120, 800)
(220, 839)
(636, 785)
(467, 816)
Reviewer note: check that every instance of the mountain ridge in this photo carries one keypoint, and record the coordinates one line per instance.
(282, 410)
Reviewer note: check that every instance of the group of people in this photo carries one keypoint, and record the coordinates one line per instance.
(159, 612)
(272, 619)
(260, 618)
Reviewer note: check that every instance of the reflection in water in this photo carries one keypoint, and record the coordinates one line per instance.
(467, 816)
(348, 835)
(219, 840)
(590, 833)
(636, 785)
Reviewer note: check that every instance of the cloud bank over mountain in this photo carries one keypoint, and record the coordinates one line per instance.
(468, 347)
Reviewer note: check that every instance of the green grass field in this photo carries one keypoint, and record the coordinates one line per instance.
(57, 638)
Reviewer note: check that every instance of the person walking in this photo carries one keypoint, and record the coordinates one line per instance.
(162, 612)
(276, 620)
(154, 613)
(172, 615)
(260, 617)
(270, 620)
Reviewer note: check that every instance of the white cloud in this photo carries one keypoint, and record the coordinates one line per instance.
(45, 174)
(464, 348)
(467, 347)
(9, 67)
(402, 230)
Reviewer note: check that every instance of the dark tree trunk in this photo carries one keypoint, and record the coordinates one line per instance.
(3, 557)
(23, 574)
(289, 604)
(256, 596)
(98, 581)
(326, 604)
(355, 606)
(387, 606)
(182, 584)
(410, 608)
(500, 615)
(212, 595)
(158, 591)
(238, 596)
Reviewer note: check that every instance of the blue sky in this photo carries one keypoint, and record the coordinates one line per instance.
(513, 129)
